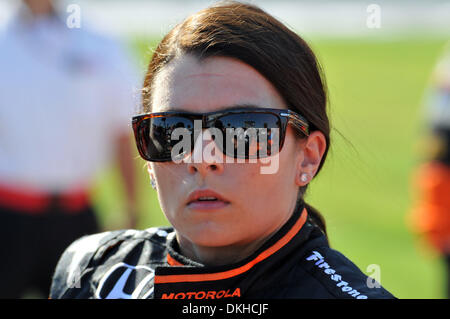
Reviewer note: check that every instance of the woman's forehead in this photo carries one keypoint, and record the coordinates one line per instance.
(211, 84)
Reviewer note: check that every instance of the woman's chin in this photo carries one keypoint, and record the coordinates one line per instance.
(211, 235)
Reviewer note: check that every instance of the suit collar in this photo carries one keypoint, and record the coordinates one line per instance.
(183, 277)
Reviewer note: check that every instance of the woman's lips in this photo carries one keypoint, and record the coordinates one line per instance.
(205, 205)
(206, 199)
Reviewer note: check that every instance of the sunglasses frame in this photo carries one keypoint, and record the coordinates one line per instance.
(285, 117)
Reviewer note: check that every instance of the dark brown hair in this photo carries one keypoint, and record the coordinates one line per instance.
(247, 33)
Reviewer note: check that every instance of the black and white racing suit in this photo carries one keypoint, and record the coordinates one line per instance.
(296, 262)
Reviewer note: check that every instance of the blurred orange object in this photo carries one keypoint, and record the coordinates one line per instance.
(431, 214)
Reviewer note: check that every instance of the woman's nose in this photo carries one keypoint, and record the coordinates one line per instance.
(206, 156)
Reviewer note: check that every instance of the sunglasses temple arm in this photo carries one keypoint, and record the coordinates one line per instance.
(299, 123)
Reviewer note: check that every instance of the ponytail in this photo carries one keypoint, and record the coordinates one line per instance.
(314, 216)
(317, 218)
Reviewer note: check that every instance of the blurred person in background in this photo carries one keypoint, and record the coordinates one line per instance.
(66, 97)
(430, 216)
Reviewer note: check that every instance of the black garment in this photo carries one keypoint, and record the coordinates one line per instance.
(294, 263)
(32, 245)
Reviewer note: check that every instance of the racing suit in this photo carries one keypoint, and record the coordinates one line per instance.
(296, 262)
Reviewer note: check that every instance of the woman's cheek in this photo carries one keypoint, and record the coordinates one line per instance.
(169, 192)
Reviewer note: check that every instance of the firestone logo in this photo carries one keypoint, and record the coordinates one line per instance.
(320, 263)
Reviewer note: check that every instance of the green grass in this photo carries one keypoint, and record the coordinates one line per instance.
(364, 191)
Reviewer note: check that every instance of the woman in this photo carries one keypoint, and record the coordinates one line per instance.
(235, 200)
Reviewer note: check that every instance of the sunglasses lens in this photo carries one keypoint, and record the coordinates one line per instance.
(155, 140)
(244, 135)
(249, 135)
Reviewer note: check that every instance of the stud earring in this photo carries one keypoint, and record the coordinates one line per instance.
(304, 177)
(153, 183)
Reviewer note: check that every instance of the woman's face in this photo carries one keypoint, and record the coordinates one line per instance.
(253, 205)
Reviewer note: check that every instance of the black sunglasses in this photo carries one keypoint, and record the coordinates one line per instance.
(246, 133)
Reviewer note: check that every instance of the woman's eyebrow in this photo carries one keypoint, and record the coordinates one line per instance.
(231, 107)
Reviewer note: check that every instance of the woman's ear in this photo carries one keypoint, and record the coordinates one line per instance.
(312, 151)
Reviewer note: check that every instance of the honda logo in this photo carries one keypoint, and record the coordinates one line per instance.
(123, 281)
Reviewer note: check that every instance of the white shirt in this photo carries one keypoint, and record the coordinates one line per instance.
(65, 96)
